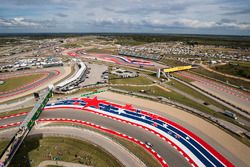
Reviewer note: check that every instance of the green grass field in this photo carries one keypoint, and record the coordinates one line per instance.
(71, 45)
(222, 78)
(194, 93)
(156, 91)
(15, 82)
(15, 111)
(172, 62)
(37, 149)
(136, 81)
(103, 51)
(138, 151)
(200, 96)
(237, 69)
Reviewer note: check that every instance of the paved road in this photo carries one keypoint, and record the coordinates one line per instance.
(171, 156)
(121, 153)
(240, 119)
(139, 133)
(64, 72)
(208, 95)
(161, 148)
(25, 102)
(180, 119)
(60, 163)
(48, 75)
(232, 95)
(214, 108)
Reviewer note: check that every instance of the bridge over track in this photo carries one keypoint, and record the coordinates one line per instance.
(24, 129)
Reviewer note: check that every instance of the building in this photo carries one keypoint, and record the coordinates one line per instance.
(124, 73)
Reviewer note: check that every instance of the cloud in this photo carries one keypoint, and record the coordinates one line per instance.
(193, 23)
(36, 2)
(179, 23)
(149, 9)
(18, 21)
(238, 12)
(4, 22)
(127, 15)
(61, 15)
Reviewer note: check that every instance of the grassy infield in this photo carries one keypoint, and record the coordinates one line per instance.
(222, 78)
(15, 82)
(154, 90)
(241, 70)
(136, 81)
(36, 150)
(172, 95)
(237, 69)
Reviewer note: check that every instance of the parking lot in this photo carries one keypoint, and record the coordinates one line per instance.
(97, 74)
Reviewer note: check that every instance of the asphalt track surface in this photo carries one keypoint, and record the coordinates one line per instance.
(197, 157)
(196, 151)
(218, 86)
(227, 93)
(238, 155)
(121, 60)
(117, 150)
(48, 75)
(170, 155)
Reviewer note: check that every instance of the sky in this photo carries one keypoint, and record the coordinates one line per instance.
(222, 17)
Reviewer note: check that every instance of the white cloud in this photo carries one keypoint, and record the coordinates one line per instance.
(196, 23)
(18, 22)
(212, 24)
(126, 15)
(4, 22)
(161, 23)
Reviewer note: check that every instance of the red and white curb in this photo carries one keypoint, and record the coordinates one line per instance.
(189, 156)
(104, 129)
(44, 75)
(166, 137)
(10, 125)
(13, 115)
(174, 145)
(218, 86)
(32, 87)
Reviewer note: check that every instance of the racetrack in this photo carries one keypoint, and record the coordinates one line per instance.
(118, 151)
(232, 95)
(47, 75)
(168, 152)
(51, 75)
(120, 60)
(170, 155)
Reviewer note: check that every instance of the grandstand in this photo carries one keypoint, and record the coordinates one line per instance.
(74, 81)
